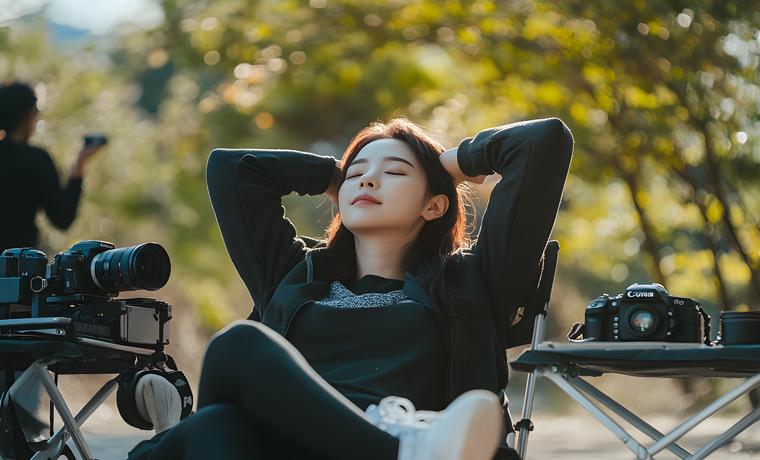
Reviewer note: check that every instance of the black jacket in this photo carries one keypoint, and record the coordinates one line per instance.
(494, 278)
(28, 181)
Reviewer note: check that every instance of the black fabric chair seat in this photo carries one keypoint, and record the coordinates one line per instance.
(651, 360)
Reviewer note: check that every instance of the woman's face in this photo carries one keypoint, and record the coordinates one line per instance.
(385, 191)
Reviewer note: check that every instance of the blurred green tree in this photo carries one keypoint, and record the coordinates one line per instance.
(661, 97)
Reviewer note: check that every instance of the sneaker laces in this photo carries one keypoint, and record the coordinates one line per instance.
(397, 416)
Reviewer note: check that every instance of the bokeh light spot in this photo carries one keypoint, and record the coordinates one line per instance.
(683, 20)
(264, 120)
(212, 57)
(157, 58)
(277, 65)
(619, 273)
(445, 34)
(293, 36)
(209, 23)
(297, 57)
(243, 70)
(372, 20)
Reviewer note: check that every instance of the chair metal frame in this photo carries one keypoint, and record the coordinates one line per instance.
(71, 429)
(566, 378)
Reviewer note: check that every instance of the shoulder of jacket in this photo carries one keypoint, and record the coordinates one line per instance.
(466, 257)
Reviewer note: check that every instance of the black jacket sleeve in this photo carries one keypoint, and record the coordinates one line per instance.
(60, 205)
(246, 187)
(533, 159)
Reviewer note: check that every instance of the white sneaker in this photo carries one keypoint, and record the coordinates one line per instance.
(469, 429)
(158, 402)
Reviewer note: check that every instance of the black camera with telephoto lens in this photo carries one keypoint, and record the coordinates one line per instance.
(81, 283)
(646, 312)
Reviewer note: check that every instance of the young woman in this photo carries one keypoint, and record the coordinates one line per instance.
(395, 311)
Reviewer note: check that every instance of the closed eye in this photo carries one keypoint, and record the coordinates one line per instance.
(395, 173)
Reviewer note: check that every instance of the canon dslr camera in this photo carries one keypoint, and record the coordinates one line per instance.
(81, 283)
(646, 312)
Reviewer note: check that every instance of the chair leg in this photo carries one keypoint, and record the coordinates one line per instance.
(521, 443)
(524, 426)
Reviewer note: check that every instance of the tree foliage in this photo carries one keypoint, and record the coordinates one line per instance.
(662, 97)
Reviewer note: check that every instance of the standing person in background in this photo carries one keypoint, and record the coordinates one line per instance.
(29, 177)
(28, 181)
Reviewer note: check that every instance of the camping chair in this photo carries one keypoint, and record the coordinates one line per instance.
(564, 364)
(41, 345)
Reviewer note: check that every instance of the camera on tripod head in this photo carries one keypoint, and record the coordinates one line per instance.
(81, 283)
(646, 312)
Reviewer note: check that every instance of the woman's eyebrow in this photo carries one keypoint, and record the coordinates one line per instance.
(364, 160)
(398, 159)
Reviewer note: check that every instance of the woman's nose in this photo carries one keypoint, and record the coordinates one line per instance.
(367, 182)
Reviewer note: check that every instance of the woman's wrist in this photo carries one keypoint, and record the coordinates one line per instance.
(78, 171)
(451, 164)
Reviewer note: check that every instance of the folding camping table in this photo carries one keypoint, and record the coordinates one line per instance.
(565, 365)
(40, 345)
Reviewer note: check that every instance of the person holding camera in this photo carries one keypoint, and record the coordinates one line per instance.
(29, 182)
(387, 341)
(30, 179)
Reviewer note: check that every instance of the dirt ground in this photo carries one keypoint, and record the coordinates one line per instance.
(555, 437)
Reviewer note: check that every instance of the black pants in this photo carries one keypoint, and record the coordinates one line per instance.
(259, 399)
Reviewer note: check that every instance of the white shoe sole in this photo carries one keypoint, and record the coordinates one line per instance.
(472, 427)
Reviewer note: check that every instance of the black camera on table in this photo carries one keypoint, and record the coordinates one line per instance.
(646, 312)
(81, 283)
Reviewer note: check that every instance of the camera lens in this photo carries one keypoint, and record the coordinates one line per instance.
(145, 266)
(641, 321)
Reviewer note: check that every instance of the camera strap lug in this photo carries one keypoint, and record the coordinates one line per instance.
(578, 330)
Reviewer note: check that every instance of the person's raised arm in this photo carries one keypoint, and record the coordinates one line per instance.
(533, 159)
(246, 189)
(61, 204)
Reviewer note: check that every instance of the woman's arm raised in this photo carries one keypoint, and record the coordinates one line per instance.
(246, 189)
(451, 164)
(533, 159)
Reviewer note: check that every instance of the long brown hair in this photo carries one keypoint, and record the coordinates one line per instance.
(429, 258)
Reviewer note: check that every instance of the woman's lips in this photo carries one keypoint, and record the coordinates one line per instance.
(365, 199)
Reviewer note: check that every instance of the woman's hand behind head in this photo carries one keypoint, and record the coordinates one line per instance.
(450, 163)
(334, 187)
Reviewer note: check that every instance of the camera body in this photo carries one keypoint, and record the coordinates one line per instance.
(95, 139)
(97, 268)
(646, 312)
(70, 272)
(80, 284)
